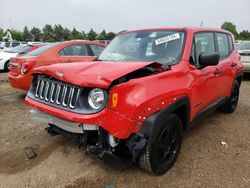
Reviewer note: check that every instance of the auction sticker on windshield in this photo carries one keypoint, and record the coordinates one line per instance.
(167, 38)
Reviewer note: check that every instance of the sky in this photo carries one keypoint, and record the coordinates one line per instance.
(118, 15)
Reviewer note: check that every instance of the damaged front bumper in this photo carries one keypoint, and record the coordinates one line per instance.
(106, 132)
(116, 124)
(62, 124)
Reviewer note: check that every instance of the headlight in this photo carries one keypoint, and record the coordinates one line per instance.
(96, 98)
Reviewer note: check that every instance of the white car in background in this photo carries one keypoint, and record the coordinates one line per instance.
(7, 54)
(244, 51)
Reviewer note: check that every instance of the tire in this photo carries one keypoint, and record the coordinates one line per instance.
(163, 146)
(231, 104)
(7, 66)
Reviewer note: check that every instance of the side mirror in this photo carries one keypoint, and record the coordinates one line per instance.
(209, 59)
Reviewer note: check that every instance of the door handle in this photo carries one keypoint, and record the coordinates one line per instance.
(233, 64)
(217, 72)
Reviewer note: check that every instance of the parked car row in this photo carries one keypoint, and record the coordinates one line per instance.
(11, 44)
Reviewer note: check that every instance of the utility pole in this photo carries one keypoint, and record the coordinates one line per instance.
(201, 23)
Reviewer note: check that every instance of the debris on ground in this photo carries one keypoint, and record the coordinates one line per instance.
(31, 151)
(30, 154)
(224, 144)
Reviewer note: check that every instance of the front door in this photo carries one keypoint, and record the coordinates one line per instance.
(205, 79)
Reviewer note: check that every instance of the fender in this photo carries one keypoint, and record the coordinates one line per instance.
(137, 142)
(239, 77)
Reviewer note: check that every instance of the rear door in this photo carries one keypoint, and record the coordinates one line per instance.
(227, 65)
(75, 53)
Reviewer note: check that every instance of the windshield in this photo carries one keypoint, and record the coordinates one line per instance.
(42, 49)
(162, 46)
(16, 49)
(244, 46)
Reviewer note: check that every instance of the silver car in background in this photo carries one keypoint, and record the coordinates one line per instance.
(244, 51)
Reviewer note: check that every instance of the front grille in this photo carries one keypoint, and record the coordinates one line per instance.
(62, 95)
(56, 92)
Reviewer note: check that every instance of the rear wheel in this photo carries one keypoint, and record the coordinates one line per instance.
(7, 66)
(232, 102)
(163, 146)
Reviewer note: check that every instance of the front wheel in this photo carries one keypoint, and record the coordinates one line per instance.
(163, 146)
(232, 102)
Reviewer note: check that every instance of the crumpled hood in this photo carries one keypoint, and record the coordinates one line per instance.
(91, 74)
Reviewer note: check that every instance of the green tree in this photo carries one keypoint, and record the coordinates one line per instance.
(84, 36)
(26, 34)
(17, 35)
(1, 33)
(58, 32)
(76, 34)
(91, 35)
(244, 35)
(110, 35)
(36, 34)
(66, 34)
(102, 36)
(48, 33)
(229, 26)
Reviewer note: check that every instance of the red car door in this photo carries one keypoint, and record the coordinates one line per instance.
(203, 89)
(227, 64)
(75, 53)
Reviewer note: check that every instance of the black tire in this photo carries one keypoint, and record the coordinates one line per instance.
(231, 104)
(7, 66)
(163, 146)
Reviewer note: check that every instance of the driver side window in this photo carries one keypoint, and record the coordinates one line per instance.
(203, 43)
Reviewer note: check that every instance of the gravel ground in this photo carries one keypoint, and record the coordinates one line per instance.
(203, 162)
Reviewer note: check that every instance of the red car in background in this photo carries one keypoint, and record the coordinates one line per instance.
(21, 68)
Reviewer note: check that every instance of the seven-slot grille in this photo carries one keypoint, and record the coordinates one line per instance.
(55, 92)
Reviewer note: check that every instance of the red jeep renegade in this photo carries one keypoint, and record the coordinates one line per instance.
(143, 92)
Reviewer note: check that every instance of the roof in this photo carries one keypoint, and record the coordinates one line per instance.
(193, 29)
(82, 41)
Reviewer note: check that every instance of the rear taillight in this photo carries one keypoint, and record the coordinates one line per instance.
(27, 66)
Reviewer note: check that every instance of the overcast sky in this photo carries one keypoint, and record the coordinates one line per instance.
(117, 15)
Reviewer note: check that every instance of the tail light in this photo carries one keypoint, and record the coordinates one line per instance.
(27, 66)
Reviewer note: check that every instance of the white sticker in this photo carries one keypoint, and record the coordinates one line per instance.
(167, 38)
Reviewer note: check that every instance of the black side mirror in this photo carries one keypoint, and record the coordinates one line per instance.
(209, 59)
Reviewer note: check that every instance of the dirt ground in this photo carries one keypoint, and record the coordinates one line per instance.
(203, 162)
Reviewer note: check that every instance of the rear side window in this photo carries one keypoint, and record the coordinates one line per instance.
(223, 46)
(96, 49)
(42, 49)
(74, 50)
